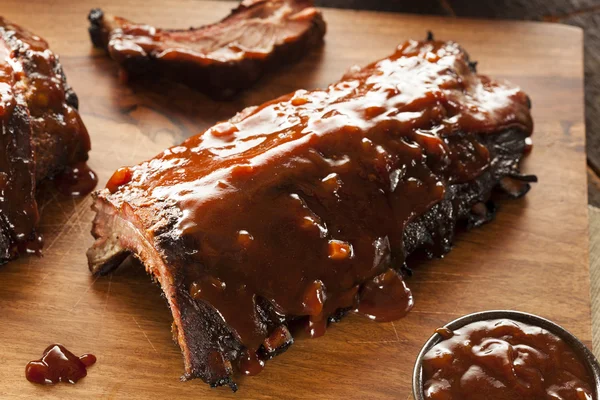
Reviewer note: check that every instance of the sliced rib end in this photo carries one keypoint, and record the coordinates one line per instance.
(119, 233)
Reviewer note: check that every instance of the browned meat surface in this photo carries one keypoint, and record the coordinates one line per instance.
(220, 59)
(296, 211)
(42, 133)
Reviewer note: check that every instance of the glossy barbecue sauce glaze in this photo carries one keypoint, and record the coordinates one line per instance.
(303, 201)
(58, 365)
(504, 360)
(17, 177)
(33, 108)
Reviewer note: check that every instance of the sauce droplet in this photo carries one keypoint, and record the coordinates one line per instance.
(58, 365)
(76, 180)
(245, 238)
(314, 298)
(250, 364)
(308, 327)
(316, 326)
(32, 246)
(385, 298)
(528, 146)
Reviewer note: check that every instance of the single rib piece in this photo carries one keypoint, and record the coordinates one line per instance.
(220, 59)
(42, 133)
(298, 210)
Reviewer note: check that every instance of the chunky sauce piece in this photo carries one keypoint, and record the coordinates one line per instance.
(58, 365)
(302, 201)
(42, 129)
(504, 360)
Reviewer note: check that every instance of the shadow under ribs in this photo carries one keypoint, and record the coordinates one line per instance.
(219, 59)
(298, 210)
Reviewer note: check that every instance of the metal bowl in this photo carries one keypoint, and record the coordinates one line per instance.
(578, 347)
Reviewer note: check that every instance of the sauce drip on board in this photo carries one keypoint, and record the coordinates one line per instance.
(504, 360)
(302, 202)
(58, 365)
(76, 180)
(250, 363)
(385, 298)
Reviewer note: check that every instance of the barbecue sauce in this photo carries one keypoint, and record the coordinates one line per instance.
(302, 202)
(385, 298)
(17, 172)
(250, 363)
(58, 365)
(42, 132)
(504, 360)
(76, 180)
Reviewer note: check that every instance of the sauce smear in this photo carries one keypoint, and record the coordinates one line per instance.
(58, 365)
(504, 360)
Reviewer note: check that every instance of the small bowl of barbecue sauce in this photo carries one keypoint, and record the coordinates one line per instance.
(505, 355)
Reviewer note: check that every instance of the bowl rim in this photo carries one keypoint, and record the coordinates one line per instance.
(580, 349)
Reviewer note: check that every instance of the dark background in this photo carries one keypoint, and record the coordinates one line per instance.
(582, 13)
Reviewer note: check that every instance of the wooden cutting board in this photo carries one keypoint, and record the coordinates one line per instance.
(533, 258)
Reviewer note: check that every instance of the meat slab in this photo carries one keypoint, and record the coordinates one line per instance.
(220, 59)
(42, 133)
(294, 212)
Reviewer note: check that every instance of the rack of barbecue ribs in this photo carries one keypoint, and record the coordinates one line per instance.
(294, 212)
(219, 59)
(42, 135)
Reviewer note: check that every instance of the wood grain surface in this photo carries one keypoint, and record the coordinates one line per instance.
(533, 258)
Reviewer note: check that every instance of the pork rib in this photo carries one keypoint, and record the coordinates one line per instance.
(220, 59)
(298, 210)
(42, 133)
